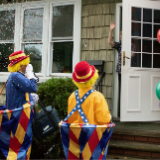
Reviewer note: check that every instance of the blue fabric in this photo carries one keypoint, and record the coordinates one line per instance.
(16, 87)
(78, 105)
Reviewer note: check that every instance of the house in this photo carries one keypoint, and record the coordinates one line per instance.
(59, 33)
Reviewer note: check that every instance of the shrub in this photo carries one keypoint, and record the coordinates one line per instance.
(53, 92)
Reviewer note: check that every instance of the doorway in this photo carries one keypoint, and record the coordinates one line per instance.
(117, 87)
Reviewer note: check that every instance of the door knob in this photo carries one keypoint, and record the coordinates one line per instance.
(124, 58)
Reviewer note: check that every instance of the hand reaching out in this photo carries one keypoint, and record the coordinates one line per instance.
(112, 25)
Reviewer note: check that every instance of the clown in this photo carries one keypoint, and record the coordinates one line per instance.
(95, 106)
(86, 130)
(18, 86)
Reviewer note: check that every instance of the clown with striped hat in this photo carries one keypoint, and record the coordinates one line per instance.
(87, 128)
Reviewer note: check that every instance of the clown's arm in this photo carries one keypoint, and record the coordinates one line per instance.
(102, 112)
(24, 84)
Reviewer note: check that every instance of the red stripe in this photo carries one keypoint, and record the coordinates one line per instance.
(24, 120)
(71, 155)
(14, 144)
(93, 141)
(100, 157)
(81, 125)
(73, 137)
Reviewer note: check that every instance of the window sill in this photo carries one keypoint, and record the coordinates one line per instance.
(41, 78)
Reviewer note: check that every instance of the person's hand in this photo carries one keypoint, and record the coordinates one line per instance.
(30, 74)
(112, 25)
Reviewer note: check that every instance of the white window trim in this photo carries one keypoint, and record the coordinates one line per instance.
(46, 51)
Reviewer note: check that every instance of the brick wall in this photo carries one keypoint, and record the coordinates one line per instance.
(96, 18)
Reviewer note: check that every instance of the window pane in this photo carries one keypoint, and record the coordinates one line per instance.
(136, 14)
(137, 45)
(135, 59)
(146, 60)
(156, 28)
(147, 30)
(7, 22)
(33, 24)
(156, 47)
(5, 51)
(62, 57)
(147, 15)
(156, 16)
(62, 25)
(35, 52)
(136, 29)
(147, 46)
(156, 61)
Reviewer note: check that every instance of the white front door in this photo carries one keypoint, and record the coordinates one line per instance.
(140, 73)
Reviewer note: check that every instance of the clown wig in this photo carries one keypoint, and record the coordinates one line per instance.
(16, 67)
(89, 83)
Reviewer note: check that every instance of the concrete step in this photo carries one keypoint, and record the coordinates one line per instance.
(140, 150)
(144, 129)
(114, 156)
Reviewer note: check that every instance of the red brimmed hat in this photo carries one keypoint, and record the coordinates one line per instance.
(83, 72)
(17, 57)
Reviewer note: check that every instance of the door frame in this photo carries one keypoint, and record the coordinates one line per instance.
(115, 74)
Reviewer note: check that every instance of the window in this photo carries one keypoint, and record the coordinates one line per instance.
(145, 24)
(7, 29)
(62, 38)
(48, 31)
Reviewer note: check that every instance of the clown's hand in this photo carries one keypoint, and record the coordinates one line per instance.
(30, 74)
(35, 98)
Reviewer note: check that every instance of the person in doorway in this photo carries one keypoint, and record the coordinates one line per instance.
(18, 86)
(95, 106)
(118, 46)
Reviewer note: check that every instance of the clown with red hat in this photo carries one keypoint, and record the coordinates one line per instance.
(86, 130)
(18, 86)
(95, 106)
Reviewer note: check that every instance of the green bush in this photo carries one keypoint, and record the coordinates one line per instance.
(53, 92)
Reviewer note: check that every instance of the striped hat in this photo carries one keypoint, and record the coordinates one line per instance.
(83, 72)
(17, 57)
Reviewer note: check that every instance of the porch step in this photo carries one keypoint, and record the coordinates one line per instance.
(141, 150)
(144, 129)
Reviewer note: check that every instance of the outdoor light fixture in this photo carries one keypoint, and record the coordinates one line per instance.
(85, 43)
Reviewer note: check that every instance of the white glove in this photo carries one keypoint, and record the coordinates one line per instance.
(35, 97)
(30, 74)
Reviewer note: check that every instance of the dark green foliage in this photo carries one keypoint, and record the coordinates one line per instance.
(53, 92)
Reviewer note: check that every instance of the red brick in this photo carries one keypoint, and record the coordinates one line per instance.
(115, 150)
(128, 137)
(156, 155)
(116, 136)
(130, 152)
(140, 138)
(144, 154)
(153, 139)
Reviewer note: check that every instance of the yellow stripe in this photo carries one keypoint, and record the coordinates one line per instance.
(27, 96)
(76, 129)
(20, 133)
(11, 155)
(17, 56)
(1, 115)
(9, 115)
(86, 152)
(28, 153)
(100, 131)
(84, 77)
(74, 148)
(27, 111)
